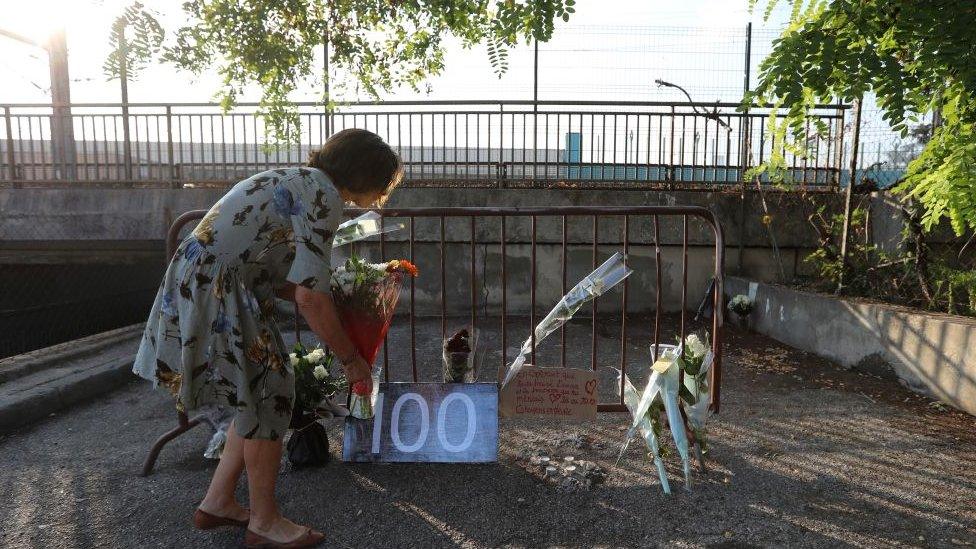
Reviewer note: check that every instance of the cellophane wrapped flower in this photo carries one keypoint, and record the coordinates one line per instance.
(365, 295)
(741, 305)
(361, 401)
(661, 395)
(606, 276)
(696, 363)
(367, 225)
(317, 377)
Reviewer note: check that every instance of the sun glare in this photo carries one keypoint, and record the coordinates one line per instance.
(39, 19)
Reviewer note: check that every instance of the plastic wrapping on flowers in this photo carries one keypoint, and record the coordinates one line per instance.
(662, 391)
(366, 295)
(367, 313)
(649, 430)
(612, 272)
(459, 356)
(366, 225)
(696, 395)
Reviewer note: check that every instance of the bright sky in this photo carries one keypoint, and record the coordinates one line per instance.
(610, 49)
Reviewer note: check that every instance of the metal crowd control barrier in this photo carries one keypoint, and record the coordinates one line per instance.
(501, 217)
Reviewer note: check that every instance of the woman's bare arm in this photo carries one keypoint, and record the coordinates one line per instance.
(319, 311)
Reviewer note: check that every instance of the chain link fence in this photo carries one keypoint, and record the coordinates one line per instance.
(58, 286)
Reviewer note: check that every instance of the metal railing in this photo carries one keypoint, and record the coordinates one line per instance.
(506, 232)
(462, 143)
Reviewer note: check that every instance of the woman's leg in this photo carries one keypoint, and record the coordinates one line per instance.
(220, 499)
(263, 457)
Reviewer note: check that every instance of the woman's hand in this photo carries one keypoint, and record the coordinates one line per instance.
(320, 312)
(358, 369)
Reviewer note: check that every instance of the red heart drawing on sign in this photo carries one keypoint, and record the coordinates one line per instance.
(555, 396)
(590, 386)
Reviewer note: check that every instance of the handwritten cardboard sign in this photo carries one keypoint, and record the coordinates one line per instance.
(557, 393)
(427, 422)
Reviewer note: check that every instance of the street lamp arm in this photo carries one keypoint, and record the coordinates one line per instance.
(711, 115)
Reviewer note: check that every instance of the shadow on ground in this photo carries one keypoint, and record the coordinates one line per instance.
(803, 454)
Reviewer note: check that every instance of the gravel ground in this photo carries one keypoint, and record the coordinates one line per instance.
(804, 454)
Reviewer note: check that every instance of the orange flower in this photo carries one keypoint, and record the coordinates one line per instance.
(409, 268)
(402, 265)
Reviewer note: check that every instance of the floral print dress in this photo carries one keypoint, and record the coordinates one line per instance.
(211, 338)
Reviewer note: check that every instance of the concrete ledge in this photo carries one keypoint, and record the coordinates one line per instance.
(931, 353)
(18, 366)
(38, 384)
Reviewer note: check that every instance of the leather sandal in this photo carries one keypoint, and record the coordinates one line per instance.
(310, 538)
(206, 521)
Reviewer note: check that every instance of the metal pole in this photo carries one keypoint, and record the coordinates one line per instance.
(849, 197)
(535, 80)
(746, 152)
(62, 132)
(327, 98)
(124, 82)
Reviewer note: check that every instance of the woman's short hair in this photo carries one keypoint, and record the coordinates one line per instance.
(359, 161)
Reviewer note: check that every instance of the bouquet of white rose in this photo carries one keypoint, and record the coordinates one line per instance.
(661, 394)
(696, 363)
(741, 305)
(649, 427)
(317, 380)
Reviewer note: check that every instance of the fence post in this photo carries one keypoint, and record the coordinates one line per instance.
(671, 153)
(169, 147)
(849, 196)
(11, 159)
(501, 169)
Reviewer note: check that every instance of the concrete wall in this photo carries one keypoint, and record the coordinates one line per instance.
(137, 218)
(111, 226)
(931, 353)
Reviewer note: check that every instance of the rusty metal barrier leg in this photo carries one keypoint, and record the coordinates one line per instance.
(184, 422)
(185, 425)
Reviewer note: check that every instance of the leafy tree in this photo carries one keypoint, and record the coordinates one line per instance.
(916, 56)
(375, 44)
(129, 55)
